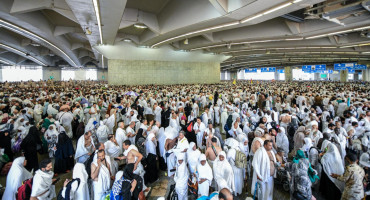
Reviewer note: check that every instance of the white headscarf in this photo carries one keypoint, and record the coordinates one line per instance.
(82, 192)
(307, 144)
(17, 174)
(205, 171)
(224, 172)
(244, 148)
(332, 164)
(181, 175)
(193, 157)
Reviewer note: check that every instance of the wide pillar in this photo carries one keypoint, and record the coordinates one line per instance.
(51, 72)
(277, 75)
(144, 72)
(343, 75)
(102, 75)
(366, 74)
(316, 76)
(233, 75)
(288, 73)
(355, 76)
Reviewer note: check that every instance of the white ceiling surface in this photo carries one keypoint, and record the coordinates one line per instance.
(126, 51)
(63, 24)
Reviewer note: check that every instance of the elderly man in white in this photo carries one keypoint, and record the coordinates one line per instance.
(264, 170)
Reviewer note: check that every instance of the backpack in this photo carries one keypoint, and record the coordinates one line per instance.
(189, 128)
(68, 190)
(87, 164)
(240, 160)
(24, 192)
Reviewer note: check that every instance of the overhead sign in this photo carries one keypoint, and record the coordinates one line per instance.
(351, 71)
(251, 70)
(360, 67)
(281, 71)
(330, 71)
(344, 66)
(51, 77)
(268, 69)
(103, 77)
(314, 68)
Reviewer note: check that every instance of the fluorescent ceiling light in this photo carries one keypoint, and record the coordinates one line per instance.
(277, 8)
(3, 61)
(102, 61)
(141, 26)
(288, 39)
(366, 52)
(297, 1)
(97, 13)
(251, 18)
(23, 31)
(127, 40)
(338, 32)
(21, 52)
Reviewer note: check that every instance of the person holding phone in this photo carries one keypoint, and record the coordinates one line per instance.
(43, 187)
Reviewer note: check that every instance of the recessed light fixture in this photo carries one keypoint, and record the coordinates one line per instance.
(127, 40)
(140, 26)
(97, 13)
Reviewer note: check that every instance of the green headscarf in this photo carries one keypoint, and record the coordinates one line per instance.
(311, 172)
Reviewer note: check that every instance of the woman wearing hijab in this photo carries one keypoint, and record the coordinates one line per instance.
(151, 174)
(64, 154)
(6, 144)
(224, 175)
(193, 157)
(181, 177)
(302, 177)
(205, 176)
(332, 163)
(307, 145)
(129, 190)
(51, 136)
(79, 191)
(17, 174)
(30, 146)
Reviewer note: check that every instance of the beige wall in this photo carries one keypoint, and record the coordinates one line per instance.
(101, 74)
(141, 72)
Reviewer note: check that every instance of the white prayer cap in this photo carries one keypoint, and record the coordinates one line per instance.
(314, 123)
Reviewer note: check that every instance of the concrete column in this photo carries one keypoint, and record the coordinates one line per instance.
(288, 74)
(55, 72)
(1, 75)
(277, 75)
(343, 75)
(366, 74)
(233, 75)
(102, 75)
(316, 76)
(355, 76)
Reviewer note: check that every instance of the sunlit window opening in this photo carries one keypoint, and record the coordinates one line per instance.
(21, 73)
(68, 74)
(92, 75)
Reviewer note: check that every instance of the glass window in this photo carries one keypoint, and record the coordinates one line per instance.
(259, 75)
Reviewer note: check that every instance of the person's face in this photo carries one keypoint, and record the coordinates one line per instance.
(24, 163)
(181, 136)
(48, 167)
(194, 147)
(264, 120)
(203, 162)
(125, 146)
(87, 136)
(198, 121)
(246, 143)
(101, 156)
(268, 146)
(221, 157)
(180, 162)
(51, 128)
(145, 122)
(273, 132)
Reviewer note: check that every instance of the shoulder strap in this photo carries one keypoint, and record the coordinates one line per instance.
(69, 187)
(214, 150)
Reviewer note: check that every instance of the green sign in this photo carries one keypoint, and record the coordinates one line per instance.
(51, 77)
(103, 77)
(324, 76)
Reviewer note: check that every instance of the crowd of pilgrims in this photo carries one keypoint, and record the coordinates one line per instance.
(210, 139)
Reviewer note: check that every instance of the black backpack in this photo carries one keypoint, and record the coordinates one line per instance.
(68, 190)
(87, 164)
